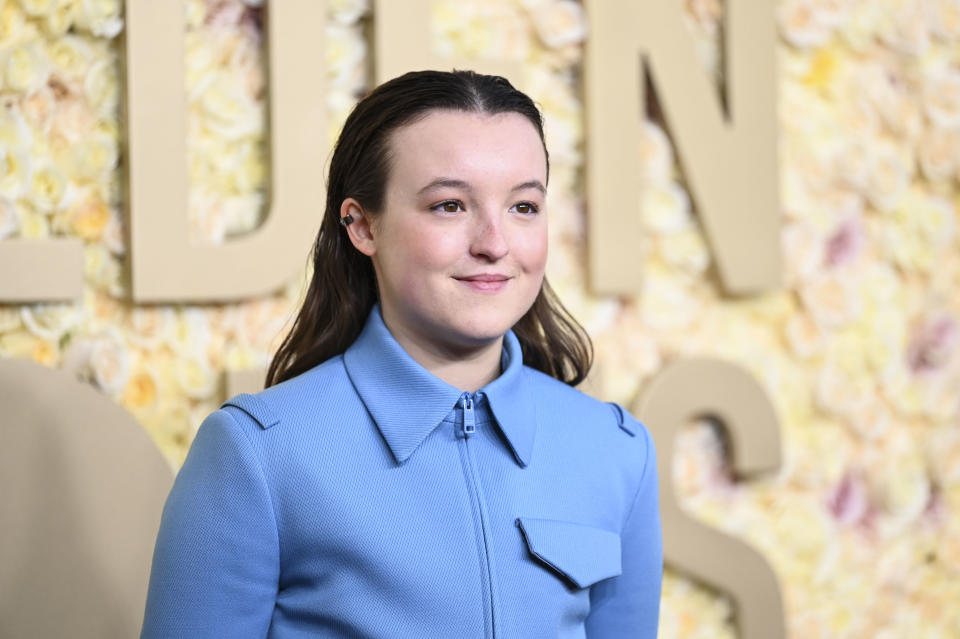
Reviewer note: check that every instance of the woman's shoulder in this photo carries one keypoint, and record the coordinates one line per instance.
(571, 404)
(294, 397)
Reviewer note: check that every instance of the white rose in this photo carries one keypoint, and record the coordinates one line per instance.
(94, 157)
(242, 213)
(801, 24)
(832, 299)
(49, 188)
(151, 326)
(666, 207)
(38, 109)
(938, 151)
(101, 88)
(100, 17)
(685, 249)
(668, 302)
(9, 318)
(345, 12)
(941, 98)
(943, 18)
(206, 217)
(656, 153)
(38, 8)
(72, 120)
(50, 321)
(113, 236)
(906, 29)
(110, 362)
(227, 109)
(58, 21)
(804, 336)
(346, 50)
(25, 68)
(803, 249)
(9, 217)
(71, 55)
(560, 23)
(888, 177)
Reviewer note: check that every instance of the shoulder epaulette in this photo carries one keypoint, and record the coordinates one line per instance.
(255, 408)
(623, 420)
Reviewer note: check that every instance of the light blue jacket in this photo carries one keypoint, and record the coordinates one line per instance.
(366, 498)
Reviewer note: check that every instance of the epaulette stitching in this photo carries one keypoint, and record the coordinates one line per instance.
(621, 418)
(255, 407)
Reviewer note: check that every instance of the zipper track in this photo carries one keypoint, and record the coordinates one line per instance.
(468, 427)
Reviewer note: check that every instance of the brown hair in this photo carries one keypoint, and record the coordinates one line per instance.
(343, 288)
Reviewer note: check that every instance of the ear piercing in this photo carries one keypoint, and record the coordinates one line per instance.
(346, 219)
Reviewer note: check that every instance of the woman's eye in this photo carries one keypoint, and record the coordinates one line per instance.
(526, 208)
(450, 206)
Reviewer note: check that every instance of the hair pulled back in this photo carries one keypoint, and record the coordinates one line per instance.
(343, 288)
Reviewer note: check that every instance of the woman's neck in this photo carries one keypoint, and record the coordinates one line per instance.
(468, 369)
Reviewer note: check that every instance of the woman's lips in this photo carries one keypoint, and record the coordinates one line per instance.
(485, 282)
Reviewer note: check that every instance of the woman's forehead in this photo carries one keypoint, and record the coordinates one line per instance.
(460, 144)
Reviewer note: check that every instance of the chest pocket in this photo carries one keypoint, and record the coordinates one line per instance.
(581, 554)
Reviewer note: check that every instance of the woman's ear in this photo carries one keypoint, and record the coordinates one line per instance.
(357, 223)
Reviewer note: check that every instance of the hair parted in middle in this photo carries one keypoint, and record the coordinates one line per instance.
(343, 287)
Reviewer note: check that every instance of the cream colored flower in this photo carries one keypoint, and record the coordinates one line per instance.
(15, 27)
(656, 153)
(150, 327)
(89, 217)
(831, 299)
(33, 224)
(9, 318)
(50, 321)
(888, 177)
(100, 17)
(346, 50)
(141, 390)
(191, 334)
(73, 120)
(110, 362)
(49, 188)
(242, 213)
(667, 301)
(685, 249)
(25, 68)
(870, 419)
(838, 392)
(943, 18)
(38, 8)
(24, 345)
(941, 98)
(9, 218)
(196, 378)
(802, 25)
(206, 217)
(906, 29)
(93, 157)
(903, 484)
(58, 21)
(38, 109)
(666, 207)
(71, 55)
(804, 336)
(101, 88)
(113, 236)
(346, 12)
(938, 152)
(560, 23)
(101, 270)
(227, 109)
(943, 451)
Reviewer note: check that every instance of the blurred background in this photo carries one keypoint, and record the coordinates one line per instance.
(857, 348)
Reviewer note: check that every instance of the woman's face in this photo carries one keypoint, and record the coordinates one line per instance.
(461, 243)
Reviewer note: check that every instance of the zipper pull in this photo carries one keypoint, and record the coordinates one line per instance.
(469, 426)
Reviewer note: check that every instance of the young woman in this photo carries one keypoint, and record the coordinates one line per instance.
(420, 465)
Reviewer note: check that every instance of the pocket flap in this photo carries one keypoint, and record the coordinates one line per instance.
(583, 554)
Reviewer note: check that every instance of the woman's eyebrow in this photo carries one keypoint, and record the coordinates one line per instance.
(460, 184)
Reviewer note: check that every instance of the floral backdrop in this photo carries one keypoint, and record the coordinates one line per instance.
(858, 350)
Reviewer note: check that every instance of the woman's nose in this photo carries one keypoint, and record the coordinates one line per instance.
(490, 240)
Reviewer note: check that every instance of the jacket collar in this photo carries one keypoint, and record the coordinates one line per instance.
(407, 402)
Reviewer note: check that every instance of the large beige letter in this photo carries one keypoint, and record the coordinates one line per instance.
(693, 388)
(402, 36)
(729, 158)
(165, 266)
(41, 270)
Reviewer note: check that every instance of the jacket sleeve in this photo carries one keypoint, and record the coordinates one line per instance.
(628, 606)
(216, 561)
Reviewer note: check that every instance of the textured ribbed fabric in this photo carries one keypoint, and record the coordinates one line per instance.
(366, 498)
